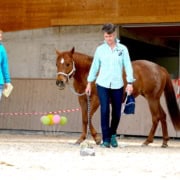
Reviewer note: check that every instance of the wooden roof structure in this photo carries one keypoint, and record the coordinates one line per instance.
(158, 20)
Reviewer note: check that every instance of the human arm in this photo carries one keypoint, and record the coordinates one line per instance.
(5, 66)
(129, 72)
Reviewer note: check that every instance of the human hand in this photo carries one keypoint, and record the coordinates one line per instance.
(6, 85)
(88, 89)
(129, 89)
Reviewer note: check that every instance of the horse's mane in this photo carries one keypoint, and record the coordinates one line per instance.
(82, 57)
(84, 61)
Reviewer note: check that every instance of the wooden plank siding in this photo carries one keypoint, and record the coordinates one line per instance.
(24, 14)
(36, 96)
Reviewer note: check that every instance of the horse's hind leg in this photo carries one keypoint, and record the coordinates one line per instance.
(157, 114)
(83, 104)
(164, 128)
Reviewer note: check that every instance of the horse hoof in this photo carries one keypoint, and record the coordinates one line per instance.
(164, 146)
(98, 140)
(144, 145)
(78, 142)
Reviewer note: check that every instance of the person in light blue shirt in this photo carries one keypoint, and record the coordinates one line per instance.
(5, 79)
(109, 60)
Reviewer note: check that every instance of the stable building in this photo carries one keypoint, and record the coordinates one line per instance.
(33, 30)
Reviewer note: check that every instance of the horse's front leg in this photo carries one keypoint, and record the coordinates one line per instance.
(158, 114)
(94, 104)
(86, 120)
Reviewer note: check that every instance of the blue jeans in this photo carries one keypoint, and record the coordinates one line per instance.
(1, 90)
(106, 97)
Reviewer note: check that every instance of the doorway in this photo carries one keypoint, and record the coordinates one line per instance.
(159, 44)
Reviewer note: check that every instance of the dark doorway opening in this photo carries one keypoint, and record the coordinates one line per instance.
(165, 53)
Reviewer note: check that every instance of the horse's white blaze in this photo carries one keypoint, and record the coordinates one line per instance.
(62, 61)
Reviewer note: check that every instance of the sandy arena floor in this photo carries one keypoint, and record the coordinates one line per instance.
(29, 156)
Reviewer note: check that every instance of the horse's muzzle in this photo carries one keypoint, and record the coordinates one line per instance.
(60, 84)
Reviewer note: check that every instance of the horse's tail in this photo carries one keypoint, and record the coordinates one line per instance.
(172, 104)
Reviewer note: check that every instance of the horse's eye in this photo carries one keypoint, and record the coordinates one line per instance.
(67, 65)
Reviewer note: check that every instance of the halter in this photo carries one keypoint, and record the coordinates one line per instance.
(68, 74)
(68, 77)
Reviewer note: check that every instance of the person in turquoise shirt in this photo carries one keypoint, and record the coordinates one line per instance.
(5, 79)
(107, 71)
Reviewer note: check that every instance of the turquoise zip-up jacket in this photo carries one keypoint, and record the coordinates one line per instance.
(107, 66)
(4, 68)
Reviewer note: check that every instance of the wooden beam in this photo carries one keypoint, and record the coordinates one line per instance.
(25, 14)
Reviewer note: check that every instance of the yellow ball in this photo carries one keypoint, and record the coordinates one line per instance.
(50, 116)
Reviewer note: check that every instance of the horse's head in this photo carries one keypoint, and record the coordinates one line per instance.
(65, 67)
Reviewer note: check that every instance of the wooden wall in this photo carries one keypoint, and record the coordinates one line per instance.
(31, 98)
(25, 14)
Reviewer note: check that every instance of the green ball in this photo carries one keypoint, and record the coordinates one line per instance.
(45, 120)
(63, 120)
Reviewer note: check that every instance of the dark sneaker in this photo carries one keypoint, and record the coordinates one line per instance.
(105, 145)
(114, 142)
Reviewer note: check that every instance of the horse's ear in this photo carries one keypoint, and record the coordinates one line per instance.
(72, 50)
(57, 52)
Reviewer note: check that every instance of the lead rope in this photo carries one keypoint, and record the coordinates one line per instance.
(88, 107)
(85, 148)
(88, 114)
(78, 94)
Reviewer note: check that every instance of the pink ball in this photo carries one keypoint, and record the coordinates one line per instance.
(56, 119)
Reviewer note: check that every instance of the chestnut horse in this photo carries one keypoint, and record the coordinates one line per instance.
(151, 81)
